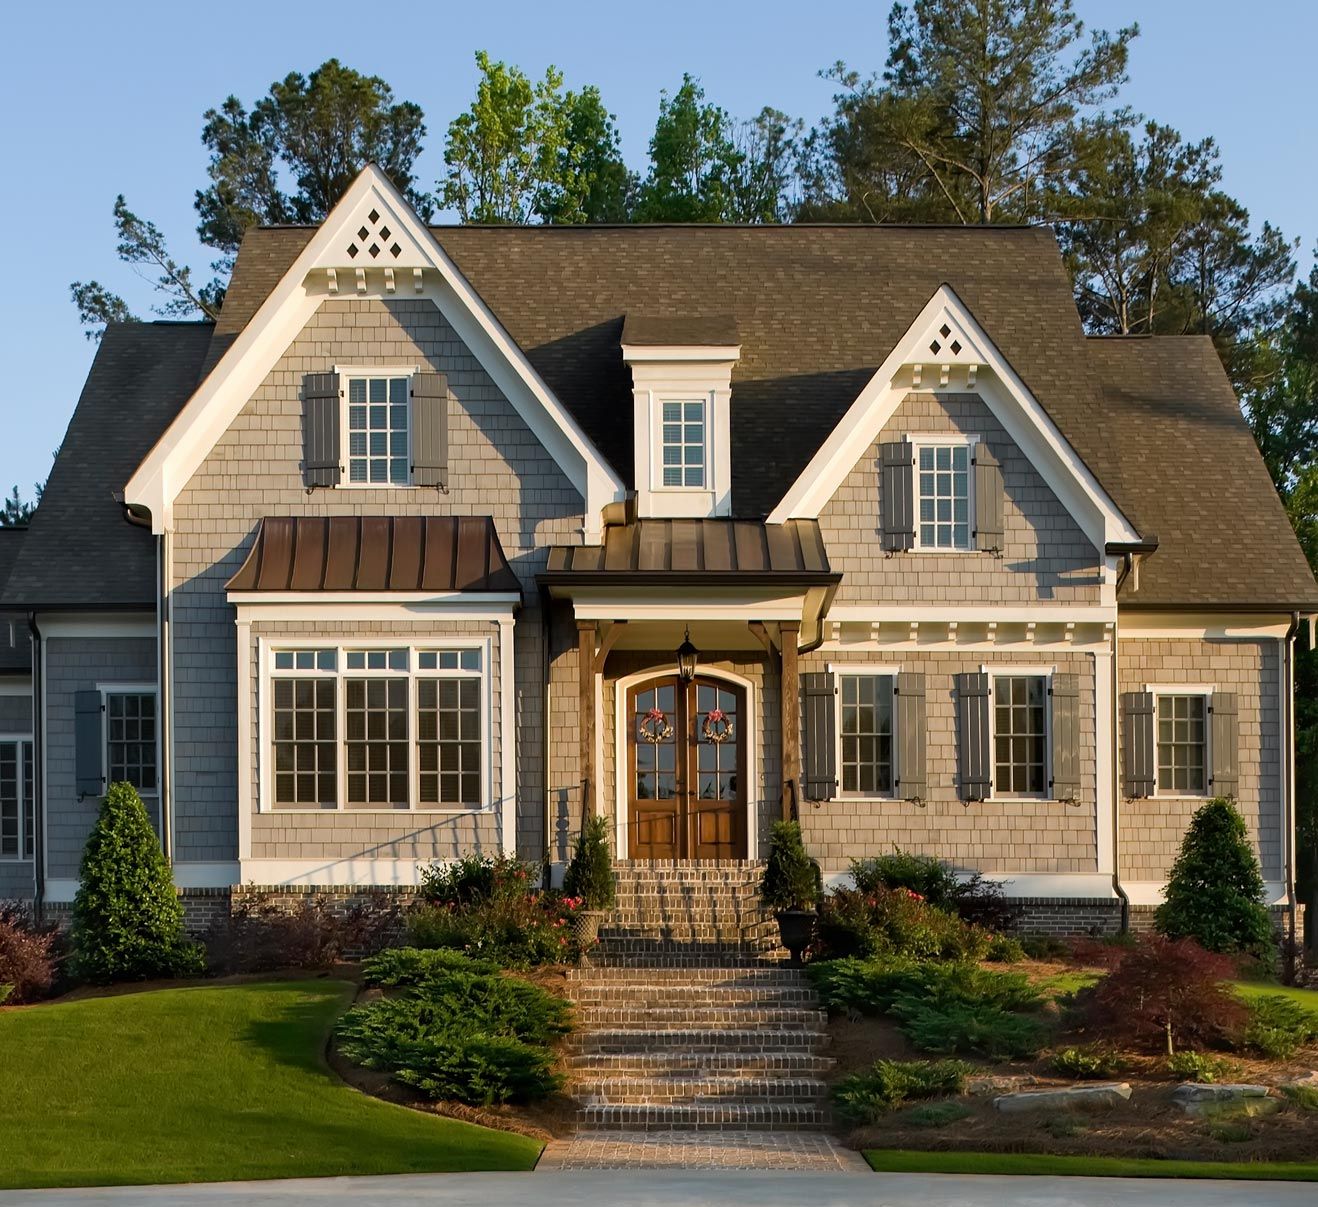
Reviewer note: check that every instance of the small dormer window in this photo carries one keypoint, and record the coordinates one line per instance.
(943, 483)
(683, 443)
(378, 431)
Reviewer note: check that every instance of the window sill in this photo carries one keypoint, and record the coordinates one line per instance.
(8, 860)
(303, 811)
(1021, 800)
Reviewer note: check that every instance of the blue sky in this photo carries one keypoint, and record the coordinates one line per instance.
(109, 99)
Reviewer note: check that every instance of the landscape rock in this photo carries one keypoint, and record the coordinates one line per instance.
(1205, 1091)
(1073, 1097)
(1308, 1081)
(1225, 1101)
(1001, 1083)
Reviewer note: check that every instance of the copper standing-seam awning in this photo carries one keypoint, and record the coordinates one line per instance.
(698, 552)
(376, 553)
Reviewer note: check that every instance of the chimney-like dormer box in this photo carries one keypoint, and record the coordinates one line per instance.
(682, 390)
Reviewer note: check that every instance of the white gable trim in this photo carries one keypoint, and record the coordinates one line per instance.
(979, 368)
(325, 268)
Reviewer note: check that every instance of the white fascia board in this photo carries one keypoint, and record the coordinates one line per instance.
(1203, 625)
(1012, 405)
(210, 411)
(1151, 892)
(972, 614)
(641, 353)
(323, 612)
(1027, 885)
(331, 873)
(498, 603)
(101, 624)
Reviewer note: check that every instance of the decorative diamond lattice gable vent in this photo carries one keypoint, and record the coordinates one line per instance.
(374, 238)
(945, 346)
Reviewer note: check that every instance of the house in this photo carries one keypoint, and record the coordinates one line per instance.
(395, 560)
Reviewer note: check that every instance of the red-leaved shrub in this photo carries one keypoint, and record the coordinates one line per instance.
(27, 956)
(262, 935)
(1166, 994)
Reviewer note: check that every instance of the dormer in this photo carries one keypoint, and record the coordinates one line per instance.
(682, 390)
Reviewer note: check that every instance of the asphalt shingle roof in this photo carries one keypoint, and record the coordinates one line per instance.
(80, 552)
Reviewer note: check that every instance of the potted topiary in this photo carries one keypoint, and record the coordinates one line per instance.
(590, 877)
(791, 887)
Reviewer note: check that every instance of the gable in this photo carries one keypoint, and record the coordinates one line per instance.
(371, 245)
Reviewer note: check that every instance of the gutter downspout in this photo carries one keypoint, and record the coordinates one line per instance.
(38, 772)
(1292, 907)
(546, 639)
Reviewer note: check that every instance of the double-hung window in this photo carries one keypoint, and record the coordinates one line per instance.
(683, 443)
(943, 494)
(16, 809)
(378, 729)
(1182, 743)
(865, 733)
(1020, 735)
(130, 740)
(378, 430)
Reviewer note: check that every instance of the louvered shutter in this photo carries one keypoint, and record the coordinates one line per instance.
(974, 764)
(321, 450)
(819, 732)
(896, 465)
(910, 717)
(1066, 737)
(1226, 743)
(430, 429)
(1139, 751)
(88, 745)
(988, 500)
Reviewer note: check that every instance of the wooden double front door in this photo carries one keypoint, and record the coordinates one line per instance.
(686, 772)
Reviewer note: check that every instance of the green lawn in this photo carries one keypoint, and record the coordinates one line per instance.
(893, 1160)
(207, 1084)
(1308, 998)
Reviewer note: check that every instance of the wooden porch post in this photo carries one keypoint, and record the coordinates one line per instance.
(586, 714)
(790, 706)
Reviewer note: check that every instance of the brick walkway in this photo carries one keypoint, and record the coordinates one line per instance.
(812, 1152)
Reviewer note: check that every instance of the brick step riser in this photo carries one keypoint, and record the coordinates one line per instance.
(679, 1041)
(650, 998)
(597, 1065)
(643, 962)
(695, 1018)
(743, 1091)
(719, 1118)
(736, 976)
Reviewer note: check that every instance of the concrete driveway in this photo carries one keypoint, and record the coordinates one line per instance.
(637, 1188)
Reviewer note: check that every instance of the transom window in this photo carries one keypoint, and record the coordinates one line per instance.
(378, 431)
(1020, 735)
(16, 812)
(378, 728)
(1183, 744)
(943, 491)
(866, 734)
(130, 739)
(682, 444)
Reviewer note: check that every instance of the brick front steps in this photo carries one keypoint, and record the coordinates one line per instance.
(688, 1019)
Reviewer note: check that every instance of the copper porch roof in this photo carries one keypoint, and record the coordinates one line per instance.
(703, 550)
(375, 553)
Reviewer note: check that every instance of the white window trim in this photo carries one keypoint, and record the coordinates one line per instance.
(270, 646)
(126, 689)
(1206, 690)
(346, 373)
(878, 671)
(706, 400)
(20, 738)
(945, 440)
(999, 670)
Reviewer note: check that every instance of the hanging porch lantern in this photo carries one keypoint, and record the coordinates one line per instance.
(687, 654)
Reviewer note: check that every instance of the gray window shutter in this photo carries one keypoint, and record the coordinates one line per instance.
(819, 731)
(430, 429)
(897, 467)
(1066, 737)
(988, 500)
(1139, 753)
(1226, 744)
(974, 764)
(910, 712)
(89, 751)
(321, 450)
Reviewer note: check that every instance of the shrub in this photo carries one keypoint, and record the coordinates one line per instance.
(936, 1114)
(590, 875)
(477, 880)
(1196, 1066)
(457, 1030)
(260, 935)
(1003, 949)
(874, 986)
(865, 1097)
(1045, 948)
(1303, 1097)
(975, 899)
(515, 931)
(27, 956)
(127, 917)
(979, 1027)
(791, 878)
(1278, 1026)
(893, 921)
(1215, 892)
(1165, 994)
(1086, 1064)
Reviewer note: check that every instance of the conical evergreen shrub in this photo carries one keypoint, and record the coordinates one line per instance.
(791, 878)
(127, 918)
(1215, 893)
(590, 874)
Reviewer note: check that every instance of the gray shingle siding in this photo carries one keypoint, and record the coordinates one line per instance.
(498, 468)
(76, 664)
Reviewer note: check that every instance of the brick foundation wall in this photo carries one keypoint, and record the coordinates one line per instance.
(1066, 917)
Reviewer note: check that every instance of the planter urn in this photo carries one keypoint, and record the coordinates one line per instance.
(586, 928)
(796, 927)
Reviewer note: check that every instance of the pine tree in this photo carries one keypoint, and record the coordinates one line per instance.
(127, 918)
(590, 874)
